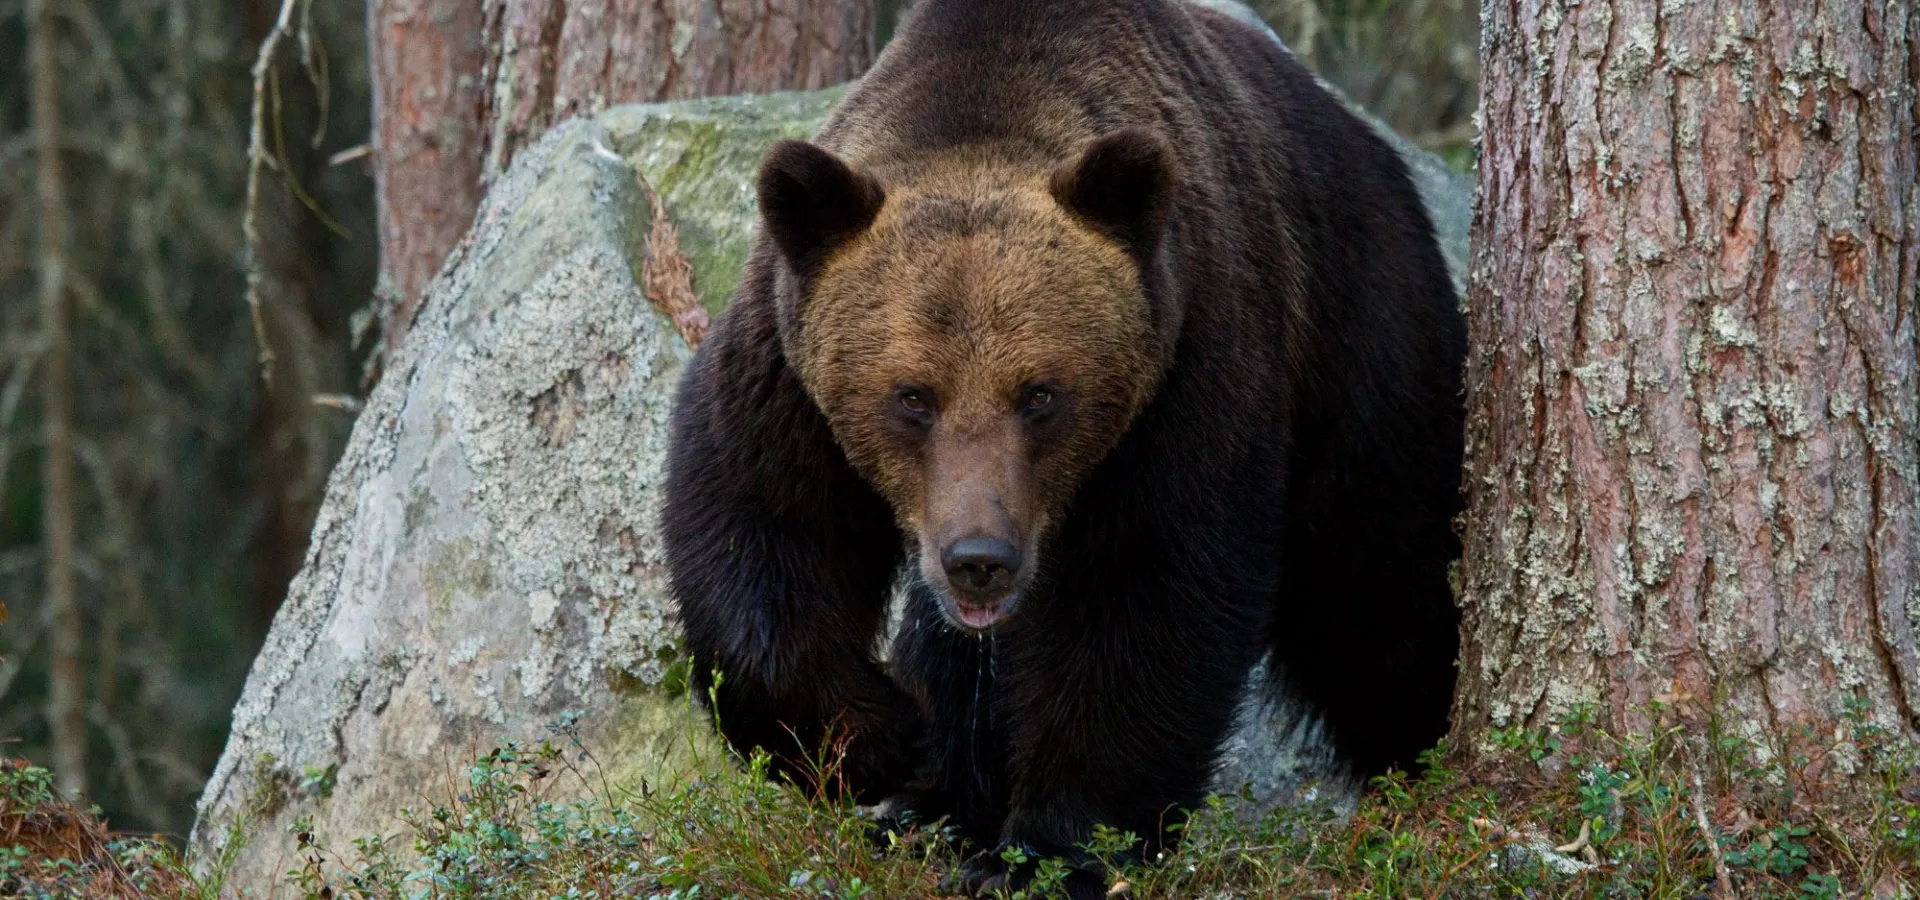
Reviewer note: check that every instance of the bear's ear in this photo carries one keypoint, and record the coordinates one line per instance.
(1121, 184)
(812, 202)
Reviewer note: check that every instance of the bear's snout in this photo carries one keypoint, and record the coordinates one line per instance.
(978, 578)
(979, 524)
(981, 567)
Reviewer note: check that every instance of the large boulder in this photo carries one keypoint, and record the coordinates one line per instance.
(486, 559)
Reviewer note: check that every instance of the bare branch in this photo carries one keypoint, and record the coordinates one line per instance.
(25, 634)
(1723, 880)
(256, 161)
(167, 333)
(345, 402)
(351, 154)
(10, 395)
(126, 764)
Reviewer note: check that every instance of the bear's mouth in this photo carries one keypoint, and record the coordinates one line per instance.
(973, 611)
(977, 618)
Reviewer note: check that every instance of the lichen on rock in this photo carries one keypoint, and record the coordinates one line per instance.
(485, 559)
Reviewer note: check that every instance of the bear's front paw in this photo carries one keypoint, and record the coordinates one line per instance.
(892, 819)
(985, 873)
(1014, 866)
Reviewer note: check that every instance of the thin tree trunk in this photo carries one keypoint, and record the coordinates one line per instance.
(461, 86)
(427, 57)
(1692, 437)
(66, 690)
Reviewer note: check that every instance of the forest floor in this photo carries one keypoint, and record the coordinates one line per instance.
(1568, 811)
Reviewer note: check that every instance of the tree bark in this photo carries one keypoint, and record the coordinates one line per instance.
(1691, 460)
(460, 87)
(66, 688)
(427, 57)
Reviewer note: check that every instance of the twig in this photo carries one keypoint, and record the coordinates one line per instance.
(279, 159)
(25, 635)
(10, 405)
(105, 64)
(17, 560)
(313, 58)
(1441, 138)
(181, 774)
(1723, 887)
(88, 303)
(1417, 11)
(256, 161)
(126, 764)
(1579, 843)
(167, 333)
(1542, 847)
(351, 154)
(346, 402)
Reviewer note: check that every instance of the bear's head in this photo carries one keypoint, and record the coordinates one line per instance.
(978, 334)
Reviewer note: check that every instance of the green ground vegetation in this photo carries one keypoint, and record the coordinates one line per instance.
(1565, 811)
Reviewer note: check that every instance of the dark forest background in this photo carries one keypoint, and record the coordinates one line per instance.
(195, 479)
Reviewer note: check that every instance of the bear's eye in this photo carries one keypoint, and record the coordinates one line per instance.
(1036, 400)
(914, 401)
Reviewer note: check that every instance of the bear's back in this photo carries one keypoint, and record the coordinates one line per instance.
(1041, 77)
(1293, 220)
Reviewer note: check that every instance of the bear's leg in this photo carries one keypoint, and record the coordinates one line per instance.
(954, 676)
(1365, 627)
(1372, 647)
(1125, 690)
(781, 559)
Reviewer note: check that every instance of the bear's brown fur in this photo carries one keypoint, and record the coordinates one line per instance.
(972, 283)
(1134, 348)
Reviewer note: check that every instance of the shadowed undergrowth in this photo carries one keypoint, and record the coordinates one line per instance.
(1569, 811)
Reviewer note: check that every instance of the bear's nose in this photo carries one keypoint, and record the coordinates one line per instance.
(982, 566)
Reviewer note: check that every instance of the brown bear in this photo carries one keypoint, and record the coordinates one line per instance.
(1133, 351)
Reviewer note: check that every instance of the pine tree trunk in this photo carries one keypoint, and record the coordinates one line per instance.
(1691, 463)
(461, 86)
(427, 56)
